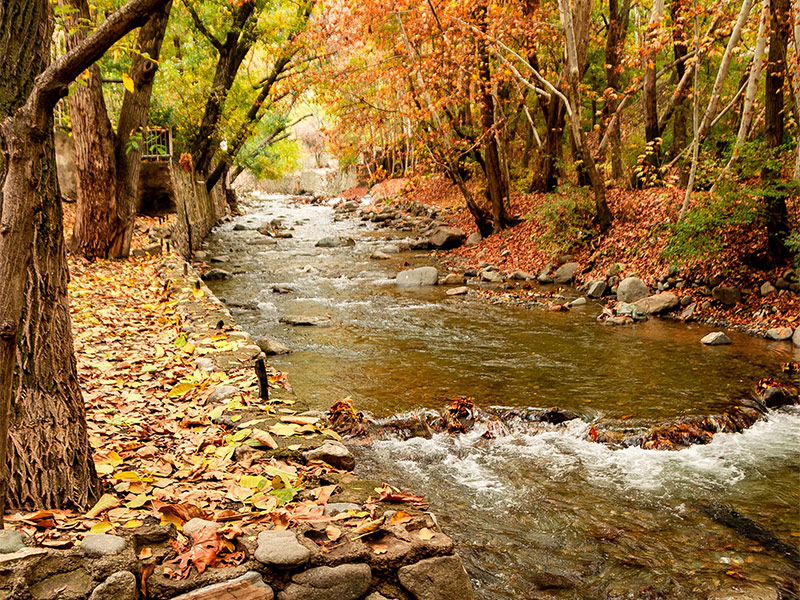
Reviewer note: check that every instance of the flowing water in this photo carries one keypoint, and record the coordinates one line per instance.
(546, 515)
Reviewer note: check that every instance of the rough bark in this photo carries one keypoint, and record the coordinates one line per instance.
(551, 154)
(133, 121)
(238, 41)
(680, 132)
(46, 451)
(93, 137)
(775, 197)
(496, 184)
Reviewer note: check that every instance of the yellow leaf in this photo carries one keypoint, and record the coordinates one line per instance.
(251, 481)
(284, 429)
(106, 502)
(181, 389)
(138, 501)
(127, 476)
(104, 468)
(102, 527)
(198, 293)
(133, 524)
(127, 82)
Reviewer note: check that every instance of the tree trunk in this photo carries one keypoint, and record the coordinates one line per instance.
(603, 216)
(652, 133)
(551, 155)
(231, 54)
(95, 168)
(680, 131)
(497, 186)
(133, 118)
(46, 447)
(775, 197)
(615, 43)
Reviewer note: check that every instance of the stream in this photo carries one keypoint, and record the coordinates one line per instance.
(534, 515)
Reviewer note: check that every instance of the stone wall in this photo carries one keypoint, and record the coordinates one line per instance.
(198, 210)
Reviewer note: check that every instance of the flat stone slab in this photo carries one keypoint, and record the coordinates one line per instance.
(119, 586)
(333, 453)
(280, 548)
(458, 291)
(423, 276)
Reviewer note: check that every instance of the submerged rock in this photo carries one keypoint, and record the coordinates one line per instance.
(304, 321)
(453, 279)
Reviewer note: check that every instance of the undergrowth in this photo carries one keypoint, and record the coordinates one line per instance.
(567, 215)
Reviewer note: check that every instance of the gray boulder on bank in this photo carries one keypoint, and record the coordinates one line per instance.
(632, 289)
(779, 334)
(491, 276)
(444, 238)
(280, 548)
(659, 303)
(345, 582)
(717, 338)
(474, 238)
(566, 272)
(796, 337)
(421, 276)
(333, 453)
(597, 289)
(119, 586)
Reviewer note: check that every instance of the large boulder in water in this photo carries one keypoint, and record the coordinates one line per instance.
(660, 303)
(632, 289)
(445, 238)
(418, 277)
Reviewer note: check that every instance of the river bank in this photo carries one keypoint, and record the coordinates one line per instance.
(214, 484)
(748, 298)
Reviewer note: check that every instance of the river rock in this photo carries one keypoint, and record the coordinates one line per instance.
(746, 592)
(660, 303)
(390, 249)
(282, 289)
(779, 334)
(596, 289)
(345, 582)
(521, 276)
(453, 279)
(767, 288)
(280, 548)
(216, 275)
(335, 242)
(119, 586)
(458, 291)
(441, 578)
(578, 302)
(102, 544)
(249, 586)
(444, 238)
(272, 347)
(418, 277)
(333, 453)
(491, 276)
(11, 541)
(727, 295)
(566, 272)
(240, 227)
(633, 311)
(474, 238)
(632, 289)
(796, 337)
(222, 393)
(717, 338)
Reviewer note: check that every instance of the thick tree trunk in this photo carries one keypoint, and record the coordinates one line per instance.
(237, 44)
(46, 452)
(133, 122)
(496, 184)
(775, 198)
(95, 168)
